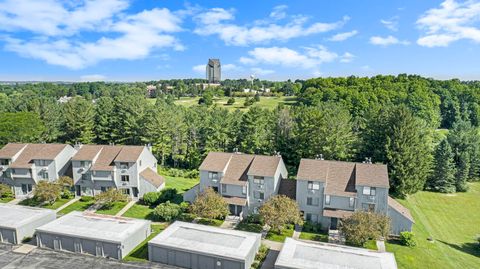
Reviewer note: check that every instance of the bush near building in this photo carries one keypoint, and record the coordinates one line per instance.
(363, 226)
(5, 191)
(279, 211)
(408, 239)
(47, 192)
(210, 205)
(108, 198)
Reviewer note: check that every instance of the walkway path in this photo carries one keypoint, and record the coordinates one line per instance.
(273, 245)
(297, 232)
(381, 246)
(15, 201)
(125, 208)
(230, 222)
(269, 262)
(67, 204)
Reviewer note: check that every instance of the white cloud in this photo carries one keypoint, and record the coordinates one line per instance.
(229, 67)
(217, 21)
(391, 24)
(93, 77)
(347, 57)
(343, 36)
(451, 22)
(261, 72)
(125, 37)
(309, 58)
(278, 12)
(200, 68)
(387, 41)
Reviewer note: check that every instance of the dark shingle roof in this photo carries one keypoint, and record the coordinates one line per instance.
(107, 155)
(341, 177)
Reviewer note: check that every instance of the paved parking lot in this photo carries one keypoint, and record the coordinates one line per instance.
(47, 259)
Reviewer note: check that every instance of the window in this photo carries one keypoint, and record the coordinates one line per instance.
(244, 190)
(44, 175)
(213, 176)
(125, 178)
(42, 162)
(327, 199)
(313, 185)
(224, 188)
(369, 190)
(258, 195)
(103, 189)
(258, 180)
(308, 217)
(312, 201)
(82, 163)
(4, 162)
(352, 201)
(125, 191)
(140, 163)
(368, 207)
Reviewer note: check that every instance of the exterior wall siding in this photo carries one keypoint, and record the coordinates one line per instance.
(399, 222)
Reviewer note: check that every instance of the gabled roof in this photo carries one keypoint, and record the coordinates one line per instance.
(155, 179)
(238, 166)
(400, 208)
(107, 155)
(10, 150)
(37, 152)
(340, 178)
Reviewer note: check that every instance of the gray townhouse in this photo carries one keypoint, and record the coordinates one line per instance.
(131, 169)
(328, 191)
(22, 166)
(245, 181)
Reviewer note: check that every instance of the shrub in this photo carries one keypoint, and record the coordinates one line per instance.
(231, 101)
(260, 257)
(363, 226)
(312, 227)
(279, 211)
(166, 212)
(210, 205)
(86, 198)
(169, 194)
(408, 239)
(257, 97)
(254, 218)
(151, 198)
(174, 172)
(248, 102)
(187, 217)
(67, 195)
(47, 192)
(5, 191)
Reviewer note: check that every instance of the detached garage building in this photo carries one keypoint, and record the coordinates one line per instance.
(296, 254)
(198, 246)
(99, 235)
(19, 222)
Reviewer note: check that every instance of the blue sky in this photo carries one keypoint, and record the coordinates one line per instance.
(132, 40)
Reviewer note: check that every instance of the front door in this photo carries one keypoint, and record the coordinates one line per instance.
(78, 190)
(135, 191)
(333, 224)
(26, 188)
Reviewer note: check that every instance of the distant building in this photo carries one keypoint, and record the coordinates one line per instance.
(214, 72)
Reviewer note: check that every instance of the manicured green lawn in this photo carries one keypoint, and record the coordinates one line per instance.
(265, 102)
(58, 203)
(452, 220)
(6, 200)
(182, 184)
(371, 244)
(139, 211)
(117, 206)
(77, 206)
(286, 232)
(320, 237)
(140, 253)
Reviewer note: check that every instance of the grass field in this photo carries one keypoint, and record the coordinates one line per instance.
(452, 220)
(182, 184)
(139, 211)
(265, 102)
(58, 203)
(286, 232)
(140, 253)
(6, 200)
(320, 237)
(77, 206)
(117, 206)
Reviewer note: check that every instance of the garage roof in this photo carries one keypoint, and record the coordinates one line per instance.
(207, 240)
(305, 255)
(94, 226)
(14, 216)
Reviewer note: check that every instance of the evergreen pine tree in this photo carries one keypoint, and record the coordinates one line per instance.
(463, 170)
(443, 177)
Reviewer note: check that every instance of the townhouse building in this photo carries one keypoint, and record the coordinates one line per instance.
(328, 191)
(22, 165)
(245, 181)
(131, 169)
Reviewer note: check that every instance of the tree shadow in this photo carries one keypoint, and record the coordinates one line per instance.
(471, 248)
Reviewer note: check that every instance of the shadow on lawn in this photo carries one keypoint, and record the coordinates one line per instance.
(471, 248)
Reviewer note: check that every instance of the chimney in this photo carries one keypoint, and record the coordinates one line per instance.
(277, 153)
(77, 145)
(235, 150)
(319, 157)
(368, 160)
(149, 146)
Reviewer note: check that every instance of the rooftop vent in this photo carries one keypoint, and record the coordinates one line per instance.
(319, 157)
(368, 160)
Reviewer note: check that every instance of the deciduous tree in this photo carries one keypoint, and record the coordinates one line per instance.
(210, 205)
(280, 210)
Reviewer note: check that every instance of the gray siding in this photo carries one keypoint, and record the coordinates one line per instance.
(399, 222)
(380, 199)
(8, 236)
(303, 193)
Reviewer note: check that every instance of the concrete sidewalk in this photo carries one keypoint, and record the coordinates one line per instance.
(125, 208)
(269, 262)
(67, 204)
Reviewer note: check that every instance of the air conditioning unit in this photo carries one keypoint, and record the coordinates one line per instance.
(124, 171)
(214, 180)
(124, 184)
(44, 169)
(260, 186)
(371, 198)
(259, 200)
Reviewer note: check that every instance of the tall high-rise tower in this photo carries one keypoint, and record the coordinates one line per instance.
(214, 72)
